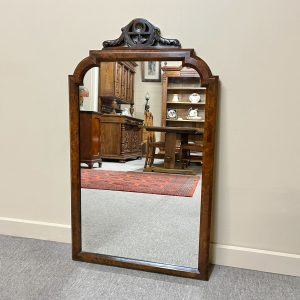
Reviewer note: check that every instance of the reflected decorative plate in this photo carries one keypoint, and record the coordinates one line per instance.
(194, 98)
(172, 114)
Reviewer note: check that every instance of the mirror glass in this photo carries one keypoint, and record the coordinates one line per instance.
(141, 143)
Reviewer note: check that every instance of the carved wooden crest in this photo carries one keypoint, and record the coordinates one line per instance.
(140, 33)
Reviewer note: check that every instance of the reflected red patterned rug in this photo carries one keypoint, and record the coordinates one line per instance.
(138, 182)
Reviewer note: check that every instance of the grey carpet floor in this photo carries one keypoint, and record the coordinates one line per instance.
(151, 227)
(35, 269)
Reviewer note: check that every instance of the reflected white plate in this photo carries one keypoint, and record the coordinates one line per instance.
(172, 114)
(194, 98)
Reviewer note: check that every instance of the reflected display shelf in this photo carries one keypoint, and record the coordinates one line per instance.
(186, 88)
(184, 82)
(194, 121)
(182, 90)
(185, 103)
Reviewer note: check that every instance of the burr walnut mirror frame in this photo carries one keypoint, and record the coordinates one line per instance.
(141, 41)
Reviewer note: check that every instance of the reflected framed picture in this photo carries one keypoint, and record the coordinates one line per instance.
(151, 71)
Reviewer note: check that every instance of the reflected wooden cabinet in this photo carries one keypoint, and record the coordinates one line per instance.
(116, 82)
(90, 138)
(121, 137)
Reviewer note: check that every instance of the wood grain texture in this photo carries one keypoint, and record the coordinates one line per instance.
(116, 82)
(210, 82)
(179, 130)
(141, 265)
(121, 137)
(90, 138)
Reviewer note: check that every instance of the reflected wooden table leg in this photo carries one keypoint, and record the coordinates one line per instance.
(184, 138)
(183, 153)
(170, 149)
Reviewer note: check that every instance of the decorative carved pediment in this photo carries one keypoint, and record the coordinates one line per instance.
(140, 33)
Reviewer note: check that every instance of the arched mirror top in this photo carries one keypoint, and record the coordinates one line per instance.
(141, 41)
(106, 94)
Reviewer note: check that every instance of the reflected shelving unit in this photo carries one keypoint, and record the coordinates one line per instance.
(181, 82)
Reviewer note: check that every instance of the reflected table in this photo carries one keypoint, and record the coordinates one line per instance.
(171, 134)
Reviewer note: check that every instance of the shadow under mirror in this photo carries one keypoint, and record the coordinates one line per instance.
(141, 149)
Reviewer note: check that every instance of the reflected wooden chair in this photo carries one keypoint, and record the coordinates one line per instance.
(151, 145)
(148, 121)
(191, 152)
(154, 149)
(151, 150)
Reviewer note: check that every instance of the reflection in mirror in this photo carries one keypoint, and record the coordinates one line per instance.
(141, 146)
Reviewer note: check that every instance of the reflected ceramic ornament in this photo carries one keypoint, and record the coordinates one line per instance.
(194, 98)
(125, 112)
(172, 114)
(175, 98)
(193, 114)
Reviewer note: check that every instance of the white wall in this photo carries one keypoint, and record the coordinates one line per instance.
(91, 82)
(253, 46)
(155, 92)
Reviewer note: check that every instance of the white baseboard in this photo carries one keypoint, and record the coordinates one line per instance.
(232, 256)
(36, 230)
(256, 259)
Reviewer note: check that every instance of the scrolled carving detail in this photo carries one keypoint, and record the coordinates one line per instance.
(140, 33)
(167, 42)
(114, 43)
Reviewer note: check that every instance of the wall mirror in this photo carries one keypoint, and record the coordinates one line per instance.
(142, 123)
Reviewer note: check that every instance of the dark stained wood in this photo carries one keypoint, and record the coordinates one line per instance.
(141, 265)
(121, 137)
(186, 156)
(75, 81)
(188, 130)
(187, 56)
(171, 135)
(90, 138)
(189, 59)
(170, 171)
(116, 83)
(208, 174)
(140, 33)
(169, 160)
(75, 166)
